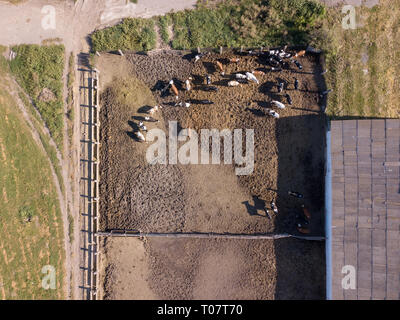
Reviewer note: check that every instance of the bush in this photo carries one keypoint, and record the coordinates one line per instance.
(26, 214)
(132, 34)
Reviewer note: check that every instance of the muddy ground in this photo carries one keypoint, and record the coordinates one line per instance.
(211, 198)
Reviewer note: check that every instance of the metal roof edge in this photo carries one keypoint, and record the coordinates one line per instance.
(328, 215)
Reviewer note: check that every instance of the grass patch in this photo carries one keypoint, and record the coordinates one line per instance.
(30, 217)
(39, 69)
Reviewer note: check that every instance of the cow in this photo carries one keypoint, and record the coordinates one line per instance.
(150, 119)
(280, 87)
(187, 84)
(298, 64)
(142, 126)
(274, 114)
(183, 104)
(251, 77)
(140, 136)
(234, 60)
(174, 89)
(233, 83)
(296, 84)
(307, 213)
(154, 109)
(300, 53)
(303, 230)
(274, 207)
(240, 76)
(221, 67)
(258, 72)
(278, 104)
(289, 99)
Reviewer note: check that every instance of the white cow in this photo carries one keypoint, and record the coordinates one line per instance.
(240, 76)
(233, 83)
(251, 77)
(188, 86)
(274, 114)
(278, 104)
(140, 136)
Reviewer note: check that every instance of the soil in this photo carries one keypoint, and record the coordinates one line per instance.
(289, 155)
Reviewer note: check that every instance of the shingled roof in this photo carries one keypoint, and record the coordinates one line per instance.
(365, 208)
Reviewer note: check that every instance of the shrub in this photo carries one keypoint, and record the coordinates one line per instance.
(132, 34)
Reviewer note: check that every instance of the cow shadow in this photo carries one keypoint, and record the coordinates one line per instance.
(258, 205)
(210, 67)
(256, 112)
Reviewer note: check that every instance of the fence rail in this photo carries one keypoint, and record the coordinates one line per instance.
(199, 235)
(89, 185)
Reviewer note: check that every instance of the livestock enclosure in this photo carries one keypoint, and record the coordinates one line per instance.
(136, 195)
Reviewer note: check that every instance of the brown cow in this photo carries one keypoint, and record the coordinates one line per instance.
(300, 53)
(303, 230)
(306, 212)
(174, 89)
(220, 67)
(234, 60)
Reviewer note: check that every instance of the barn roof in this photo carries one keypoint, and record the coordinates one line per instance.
(363, 211)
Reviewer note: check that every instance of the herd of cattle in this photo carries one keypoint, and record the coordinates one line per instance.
(277, 60)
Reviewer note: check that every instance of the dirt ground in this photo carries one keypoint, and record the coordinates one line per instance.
(289, 155)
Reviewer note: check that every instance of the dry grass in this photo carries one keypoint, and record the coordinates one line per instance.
(364, 63)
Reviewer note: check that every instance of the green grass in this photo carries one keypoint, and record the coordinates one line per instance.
(39, 67)
(132, 34)
(230, 24)
(30, 217)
